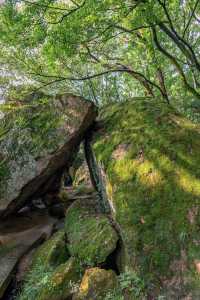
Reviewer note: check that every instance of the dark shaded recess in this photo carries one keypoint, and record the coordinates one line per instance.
(89, 156)
(98, 184)
(68, 180)
(95, 171)
(111, 260)
(12, 290)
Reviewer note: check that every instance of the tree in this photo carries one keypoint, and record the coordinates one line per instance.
(151, 45)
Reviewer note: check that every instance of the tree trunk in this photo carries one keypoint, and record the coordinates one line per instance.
(161, 79)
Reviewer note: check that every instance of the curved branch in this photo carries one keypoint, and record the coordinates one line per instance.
(179, 41)
(127, 30)
(72, 11)
(161, 80)
(185, 48)
(167, 15)
(190, 19)
(175, 63)
(45, 6)
(96, 75)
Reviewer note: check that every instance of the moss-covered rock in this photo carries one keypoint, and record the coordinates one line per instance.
(96, 284)
(39, 136)
(90, 235)
(53, 252)
(151, 157)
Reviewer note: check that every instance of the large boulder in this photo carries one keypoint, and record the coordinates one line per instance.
(149, 155)
(96, 284)
(91, 238)
(39, 137)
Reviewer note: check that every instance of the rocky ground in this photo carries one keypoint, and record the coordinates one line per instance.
(84, 235)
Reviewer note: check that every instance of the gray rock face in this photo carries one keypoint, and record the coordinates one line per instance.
(37, 140)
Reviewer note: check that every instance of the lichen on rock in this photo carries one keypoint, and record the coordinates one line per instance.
(95, 284)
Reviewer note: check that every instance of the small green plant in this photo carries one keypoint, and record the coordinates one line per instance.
(37, 279)
(114, 295)
(132, 282)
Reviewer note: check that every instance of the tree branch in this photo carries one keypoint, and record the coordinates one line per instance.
(138, 76)
(127, 30)
(185, 48)
(175, 63)
(163, 5)
(89, 77)
(179, 41)
(190, 19)
(68, 14)
(45, 6)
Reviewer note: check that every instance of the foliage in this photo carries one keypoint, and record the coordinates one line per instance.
(131, 281)
(46, 259)
(105, 50)
(111, 51)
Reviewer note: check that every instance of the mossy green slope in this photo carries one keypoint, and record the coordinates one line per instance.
(151, 155)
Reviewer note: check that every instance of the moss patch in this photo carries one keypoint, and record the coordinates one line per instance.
(53, 252)
(91, 237)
